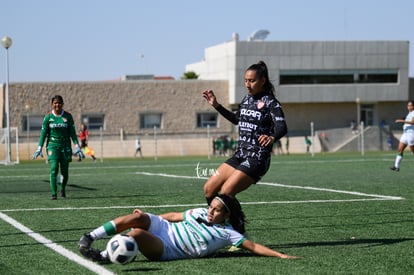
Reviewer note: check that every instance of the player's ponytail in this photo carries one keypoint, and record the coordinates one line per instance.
(237, 217)
(261, 71)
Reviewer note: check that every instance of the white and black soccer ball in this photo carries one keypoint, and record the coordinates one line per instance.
(122, 249)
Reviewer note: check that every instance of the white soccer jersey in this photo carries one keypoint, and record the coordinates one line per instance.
(197, 239)
(409, 128)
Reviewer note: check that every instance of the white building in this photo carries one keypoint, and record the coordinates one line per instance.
(321, 81)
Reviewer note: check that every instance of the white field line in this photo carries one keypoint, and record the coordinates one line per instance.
(382, 197)
(55, 247)
(286, 186)
(369, 197)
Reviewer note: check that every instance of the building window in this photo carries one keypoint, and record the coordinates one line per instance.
(150, 120)
(206, 119)
(32, 122)
(306, 77)
(367, 114)
(94, 121)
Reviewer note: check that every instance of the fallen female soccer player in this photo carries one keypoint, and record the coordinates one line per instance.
(194, 233)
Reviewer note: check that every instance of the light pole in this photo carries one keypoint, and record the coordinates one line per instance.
(6, 42)
(358, 103)
(27, 107)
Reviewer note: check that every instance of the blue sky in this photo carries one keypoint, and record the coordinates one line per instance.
(92, 40)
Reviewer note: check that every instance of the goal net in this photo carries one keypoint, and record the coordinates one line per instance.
(14, 146)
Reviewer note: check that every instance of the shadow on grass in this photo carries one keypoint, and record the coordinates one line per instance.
(352, 215)
(224, 253)
(74, 188)
(141, 269)
(20, 190)
(369, 242)
(81, 187)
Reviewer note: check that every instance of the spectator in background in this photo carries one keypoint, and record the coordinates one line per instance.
(138, 147)
(278, 148)
(389, 141)
(354, 127)
(287, 145)
(308, 143)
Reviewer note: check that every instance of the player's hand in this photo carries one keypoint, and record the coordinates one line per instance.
(37, 153)
(79, 152)
(265, 140)
(211, 98)
(284, 256)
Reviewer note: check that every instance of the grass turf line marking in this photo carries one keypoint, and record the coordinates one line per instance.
(333, 191)
(373, 197)
(56, 247)
(380, 197)
(179, 205)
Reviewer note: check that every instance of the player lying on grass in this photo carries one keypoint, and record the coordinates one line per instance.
(194, 233)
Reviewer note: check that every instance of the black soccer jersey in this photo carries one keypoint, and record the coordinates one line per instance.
(257, 115)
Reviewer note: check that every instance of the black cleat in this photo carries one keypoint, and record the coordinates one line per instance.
(54, 197)
(85, 249)
(63, 194)
(95, 255)
(395, 169)
(85, 242)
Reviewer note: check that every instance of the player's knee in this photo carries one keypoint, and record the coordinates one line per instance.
(209, 190)
(140, 217)
(137, 211)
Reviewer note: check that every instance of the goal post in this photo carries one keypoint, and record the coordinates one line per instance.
(14, 146)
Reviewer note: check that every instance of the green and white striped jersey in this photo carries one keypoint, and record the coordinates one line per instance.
(196, 238)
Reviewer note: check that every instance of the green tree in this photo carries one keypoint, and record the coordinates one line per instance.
(189, 75)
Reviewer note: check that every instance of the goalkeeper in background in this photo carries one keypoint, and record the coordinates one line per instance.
(58, 128)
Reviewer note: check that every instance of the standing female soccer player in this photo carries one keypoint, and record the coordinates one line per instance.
(58, 128)
(407, 139)
(261, 122)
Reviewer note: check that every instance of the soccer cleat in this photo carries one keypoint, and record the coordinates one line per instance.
(54, 197)
(63, 194)
(96, 256)
(395, 169)
(85, 249)
(85, 243)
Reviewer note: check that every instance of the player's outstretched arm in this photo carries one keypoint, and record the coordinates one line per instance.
(264, 250)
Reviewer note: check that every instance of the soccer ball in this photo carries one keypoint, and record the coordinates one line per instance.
(122, 249)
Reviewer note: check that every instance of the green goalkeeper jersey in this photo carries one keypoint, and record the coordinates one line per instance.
(58, 130)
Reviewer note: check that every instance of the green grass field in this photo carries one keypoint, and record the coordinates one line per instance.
(343, 213)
